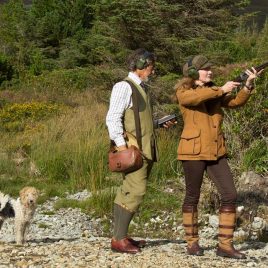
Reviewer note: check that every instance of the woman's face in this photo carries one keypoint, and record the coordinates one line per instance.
(205, 75)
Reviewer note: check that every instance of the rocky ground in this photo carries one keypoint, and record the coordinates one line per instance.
(69, 238)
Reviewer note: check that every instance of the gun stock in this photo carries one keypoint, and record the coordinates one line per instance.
(243, 76)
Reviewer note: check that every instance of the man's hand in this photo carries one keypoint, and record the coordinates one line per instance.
(170, 123)
(167, 121)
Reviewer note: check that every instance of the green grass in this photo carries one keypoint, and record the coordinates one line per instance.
(48, 212)
(12, 186)
(256, 157)
(159, 211)
(43, 225)
(98, 205)
(157, 202)
(168, 165)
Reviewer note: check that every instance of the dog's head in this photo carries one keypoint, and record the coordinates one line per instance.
(28, 196)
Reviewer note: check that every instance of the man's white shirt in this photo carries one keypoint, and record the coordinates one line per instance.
(119, 102)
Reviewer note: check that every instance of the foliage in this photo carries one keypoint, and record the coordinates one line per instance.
(6, 70)
(167, 166)
(72, 149)
(144, 24)
(252, 119)
(15, 42)
(72, 52)
(263, 42)
(66, 34)
(67, 81)
(256, 157)
(14, 117)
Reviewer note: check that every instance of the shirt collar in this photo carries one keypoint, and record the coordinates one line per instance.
(134, 77)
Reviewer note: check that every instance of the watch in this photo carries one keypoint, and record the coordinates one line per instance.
(249, 87)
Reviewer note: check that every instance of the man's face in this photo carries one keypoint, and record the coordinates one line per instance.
(145, 73)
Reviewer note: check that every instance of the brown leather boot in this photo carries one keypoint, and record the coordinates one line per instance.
(226, 233)
(190, 223)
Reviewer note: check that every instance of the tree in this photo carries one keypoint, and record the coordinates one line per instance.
(65, 33)
(13, 31)
(173, 29)
(6, 70)
(53, 21)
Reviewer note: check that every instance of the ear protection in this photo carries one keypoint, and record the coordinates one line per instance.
(142, 61)
(192, 71)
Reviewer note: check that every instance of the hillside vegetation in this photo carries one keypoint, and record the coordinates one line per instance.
(58, 62)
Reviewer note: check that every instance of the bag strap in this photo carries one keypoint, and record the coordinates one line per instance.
(135, 107)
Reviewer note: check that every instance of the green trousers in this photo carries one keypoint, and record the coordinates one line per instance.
(130, 194)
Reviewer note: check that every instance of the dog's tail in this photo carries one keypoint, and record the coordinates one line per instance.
(3, 200)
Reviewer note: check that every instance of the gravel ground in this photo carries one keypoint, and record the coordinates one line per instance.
(69, 238)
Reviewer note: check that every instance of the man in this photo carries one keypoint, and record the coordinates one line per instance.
(120, 119)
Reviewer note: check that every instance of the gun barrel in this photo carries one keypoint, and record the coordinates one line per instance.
(243, 76)
(262, 66)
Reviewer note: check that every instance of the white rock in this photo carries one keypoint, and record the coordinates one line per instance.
(258, 223)
(214, 221)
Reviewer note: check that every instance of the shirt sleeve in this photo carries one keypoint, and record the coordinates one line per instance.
(120, 101)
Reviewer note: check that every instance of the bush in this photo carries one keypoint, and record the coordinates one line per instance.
(256, 157)
(6, 69)
(15, 117)
(65, 82)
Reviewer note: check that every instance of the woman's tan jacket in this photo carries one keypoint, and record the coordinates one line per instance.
(202, 137)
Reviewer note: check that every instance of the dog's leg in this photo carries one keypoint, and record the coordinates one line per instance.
(1, 223)
(19, 227)
(24, 231)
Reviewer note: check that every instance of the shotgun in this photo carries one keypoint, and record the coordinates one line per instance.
(163, 120)
(243, 76)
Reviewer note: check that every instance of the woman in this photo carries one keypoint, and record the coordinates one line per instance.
(202, 147)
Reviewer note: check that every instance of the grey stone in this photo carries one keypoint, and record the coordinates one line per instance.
(73, 239)
(214, 221)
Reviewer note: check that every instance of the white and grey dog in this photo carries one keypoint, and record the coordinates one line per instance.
(22, 209)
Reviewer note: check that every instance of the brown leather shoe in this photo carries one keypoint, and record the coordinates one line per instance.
(195, 250)
(232, 253)
(124, 246)
(137, 243)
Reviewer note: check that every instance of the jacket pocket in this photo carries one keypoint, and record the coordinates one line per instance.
(190, 142)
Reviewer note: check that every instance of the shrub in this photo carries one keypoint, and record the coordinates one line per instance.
(6, 69)
(256, 157)
(15, 117)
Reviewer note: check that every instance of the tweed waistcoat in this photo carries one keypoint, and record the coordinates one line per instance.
(148, 140)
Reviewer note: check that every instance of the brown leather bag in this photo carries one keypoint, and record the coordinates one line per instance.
(128, 160)
(125, 161)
